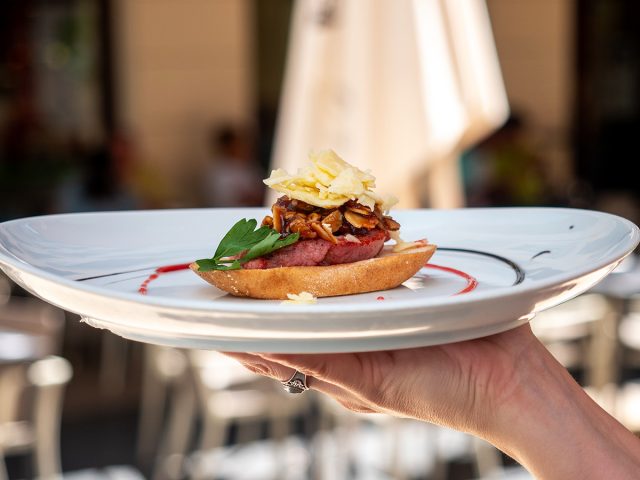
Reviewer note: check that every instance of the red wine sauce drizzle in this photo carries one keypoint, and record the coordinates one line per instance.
(159, 271)
(472, 283)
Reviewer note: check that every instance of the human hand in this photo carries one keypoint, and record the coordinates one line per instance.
(460, 385)
(505, 388)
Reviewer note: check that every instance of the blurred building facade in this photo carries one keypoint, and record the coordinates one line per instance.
(155, 79)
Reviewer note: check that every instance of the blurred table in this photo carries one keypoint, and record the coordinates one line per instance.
(624, 282)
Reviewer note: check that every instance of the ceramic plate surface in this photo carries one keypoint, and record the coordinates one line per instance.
(493, 270)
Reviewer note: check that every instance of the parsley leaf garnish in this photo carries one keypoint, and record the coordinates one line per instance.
(244, 238)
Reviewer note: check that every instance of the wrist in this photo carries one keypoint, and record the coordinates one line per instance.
(550, 425)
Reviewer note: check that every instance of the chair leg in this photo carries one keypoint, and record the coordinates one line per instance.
(113, 365)
(3, 468)
(178, 434)
(49, 377)
(213, 434)
(278, 430)
(153, 398)
(12, 383)
(487, 459)
(47, 422)
(603, 351)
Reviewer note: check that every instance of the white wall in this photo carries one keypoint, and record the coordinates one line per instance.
(183, 66)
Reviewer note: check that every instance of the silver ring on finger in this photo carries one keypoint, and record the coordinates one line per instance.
(296, 384)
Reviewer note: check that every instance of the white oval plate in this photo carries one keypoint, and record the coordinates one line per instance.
(494, 269)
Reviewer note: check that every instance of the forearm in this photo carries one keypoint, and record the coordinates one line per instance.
(552, 427)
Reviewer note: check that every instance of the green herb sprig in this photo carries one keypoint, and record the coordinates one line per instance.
(243, 237)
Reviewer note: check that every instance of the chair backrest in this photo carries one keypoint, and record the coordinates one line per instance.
(40, 384)
(29, 329)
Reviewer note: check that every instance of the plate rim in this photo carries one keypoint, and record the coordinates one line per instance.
(275, 307)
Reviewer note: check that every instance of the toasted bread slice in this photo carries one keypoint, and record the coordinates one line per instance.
(387, 270)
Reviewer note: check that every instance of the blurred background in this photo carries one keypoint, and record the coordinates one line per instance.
(132, 104)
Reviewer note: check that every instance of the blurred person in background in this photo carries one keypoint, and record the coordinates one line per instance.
(147, 187)
(101, 180)
(504, 170)
(234, 178)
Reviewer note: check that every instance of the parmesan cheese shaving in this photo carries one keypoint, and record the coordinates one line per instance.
(302, 298)
(352, 238)
(329, 182)
(401, 245)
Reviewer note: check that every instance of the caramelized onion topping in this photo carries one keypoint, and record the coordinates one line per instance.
(294, 216)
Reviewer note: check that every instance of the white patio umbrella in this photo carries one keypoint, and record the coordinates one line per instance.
(399, 87)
